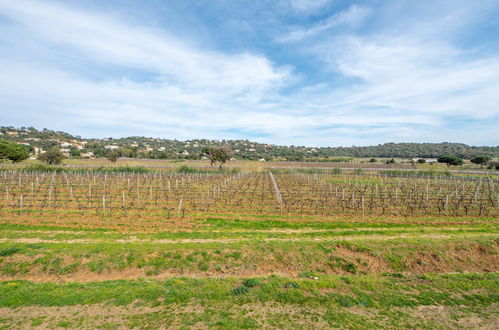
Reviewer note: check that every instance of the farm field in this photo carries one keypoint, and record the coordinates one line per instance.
(250, 249)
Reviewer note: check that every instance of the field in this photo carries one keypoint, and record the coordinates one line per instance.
(259, 246)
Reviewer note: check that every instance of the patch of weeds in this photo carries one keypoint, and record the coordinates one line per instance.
(236, 255)
(307, 274)
(203, 266)
(251, 282)
(37, 321)
(345, 301)
(96, 266)
(395, 262)
(350, 267)
(11, 250)
(240, 290)
(291, 285)
(64, 324)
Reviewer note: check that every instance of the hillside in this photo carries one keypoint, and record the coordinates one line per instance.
(37, 141)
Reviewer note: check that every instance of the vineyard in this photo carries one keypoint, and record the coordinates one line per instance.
(172, 195)
(263, 247)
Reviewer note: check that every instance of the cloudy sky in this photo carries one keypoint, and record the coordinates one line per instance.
(303, 72)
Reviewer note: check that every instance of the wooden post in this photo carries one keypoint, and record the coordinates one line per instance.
(179, 207)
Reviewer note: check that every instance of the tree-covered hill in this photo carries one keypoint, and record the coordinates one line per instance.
(39, 140)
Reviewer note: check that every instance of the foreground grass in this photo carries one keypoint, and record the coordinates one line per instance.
(357, 301)
(112, 260)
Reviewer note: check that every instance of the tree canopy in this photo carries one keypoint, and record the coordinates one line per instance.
(450, 160)
(480, 160)
(113, 155)
(12, 151)
(53, 156)
(218, 154)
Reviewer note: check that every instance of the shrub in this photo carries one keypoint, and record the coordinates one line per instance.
(9, 251)
(291, 285)
(44, 168)
(251, 282)
(240, 290)
(122, 169)
(186, 169)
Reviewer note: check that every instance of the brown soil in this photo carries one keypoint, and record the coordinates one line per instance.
(474, 258)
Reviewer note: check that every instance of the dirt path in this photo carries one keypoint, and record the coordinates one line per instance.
(230, 240)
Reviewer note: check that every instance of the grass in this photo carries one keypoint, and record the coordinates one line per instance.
(151, 258)
(333, 301)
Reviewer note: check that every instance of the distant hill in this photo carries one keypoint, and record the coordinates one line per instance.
(141, 147)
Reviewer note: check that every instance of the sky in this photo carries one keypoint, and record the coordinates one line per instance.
(288, 72)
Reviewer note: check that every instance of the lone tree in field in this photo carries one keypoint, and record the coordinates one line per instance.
(450, 160)
(53, 156)
(12, 151)
(113, 155)
(218, 154)
(480, 160)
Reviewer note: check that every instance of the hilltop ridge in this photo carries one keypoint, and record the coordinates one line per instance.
(37, 141)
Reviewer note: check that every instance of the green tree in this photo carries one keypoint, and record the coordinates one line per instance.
(450, 160)
(421, 161)
(480, 160)
(53, 156)
(218, 154)
(12, 151)
(113, 155)
(493, 164)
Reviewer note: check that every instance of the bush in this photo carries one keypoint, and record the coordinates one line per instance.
(251, 282)
(122, 169)
(240, 290)
(44, 168)
(291, 285)
(186, 169)
(9, 251)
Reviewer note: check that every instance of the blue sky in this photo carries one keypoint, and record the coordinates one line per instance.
(315, 73)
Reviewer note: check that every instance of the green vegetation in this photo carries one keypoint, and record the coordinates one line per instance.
(450, 160)
(53, 156)
(12, 151)
(121, 169)
(44, 168)
(332, 301)
(140, 147)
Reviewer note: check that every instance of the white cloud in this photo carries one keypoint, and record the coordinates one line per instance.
(108, 41)
(308, 6)
(353, 16)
